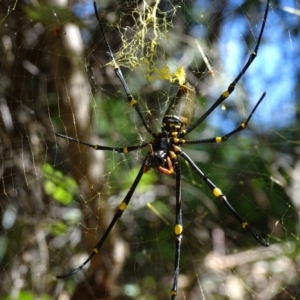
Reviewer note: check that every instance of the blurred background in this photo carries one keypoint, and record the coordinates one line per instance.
(58, 197)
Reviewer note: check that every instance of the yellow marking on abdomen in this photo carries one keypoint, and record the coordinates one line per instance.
(95, 250)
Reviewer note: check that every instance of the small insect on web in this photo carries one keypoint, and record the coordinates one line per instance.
(165, 150)
(58, 31)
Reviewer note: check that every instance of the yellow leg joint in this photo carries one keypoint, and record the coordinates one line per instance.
(243, 125)
(225, 94)
(178, 229)
(172, 154)
(133, 102)
(217, 192)
(218, 139)
(244, 224)
(122, 206)
(125, 150)
(176, 148)
(95, 250)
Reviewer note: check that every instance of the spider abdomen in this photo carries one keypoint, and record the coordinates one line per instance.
(181, 109)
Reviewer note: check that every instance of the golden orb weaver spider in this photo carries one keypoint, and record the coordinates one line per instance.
(165, 150)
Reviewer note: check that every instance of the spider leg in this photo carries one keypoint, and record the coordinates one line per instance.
(99, 147)
(178, 231)
(225, 137)
(218, 193)
(133, 102)
(121, 208)
(232, 85)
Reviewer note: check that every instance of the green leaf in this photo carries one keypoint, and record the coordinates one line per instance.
(60, 187)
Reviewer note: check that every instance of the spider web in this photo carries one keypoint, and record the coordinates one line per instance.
(58, 197)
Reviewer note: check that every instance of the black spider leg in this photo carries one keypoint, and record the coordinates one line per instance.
(121, 208)
(133, 102)
(225, 137)
(178, 230)
(232, 85)
(218, 193)
(99, 147)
